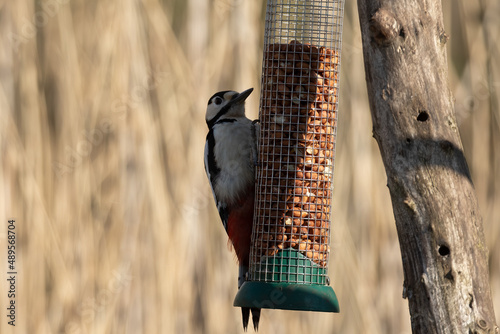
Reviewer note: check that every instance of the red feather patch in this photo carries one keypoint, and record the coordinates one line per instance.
(239, 227)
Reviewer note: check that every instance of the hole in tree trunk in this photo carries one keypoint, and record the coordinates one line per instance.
(444, 250)
(402, 33)
(422, 116)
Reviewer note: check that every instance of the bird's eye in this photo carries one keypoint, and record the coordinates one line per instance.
(218, 100)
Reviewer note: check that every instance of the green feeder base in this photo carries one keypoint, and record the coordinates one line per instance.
(288, 281)
(287, 296)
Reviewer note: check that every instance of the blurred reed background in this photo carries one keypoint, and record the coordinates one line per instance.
(102, 133)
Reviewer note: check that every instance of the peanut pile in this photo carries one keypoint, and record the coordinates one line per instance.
(296, 151)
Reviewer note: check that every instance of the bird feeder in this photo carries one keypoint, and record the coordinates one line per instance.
(298, 119)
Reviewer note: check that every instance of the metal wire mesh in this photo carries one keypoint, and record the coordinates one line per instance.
(298, 116)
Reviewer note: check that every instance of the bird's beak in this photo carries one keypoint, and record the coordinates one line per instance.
(241, 96)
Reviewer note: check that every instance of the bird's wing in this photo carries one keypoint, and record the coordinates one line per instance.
(213, 171)
(255, 142)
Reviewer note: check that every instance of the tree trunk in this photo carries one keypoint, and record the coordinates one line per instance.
(445, 259)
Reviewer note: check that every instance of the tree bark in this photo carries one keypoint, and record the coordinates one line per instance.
(445, 259)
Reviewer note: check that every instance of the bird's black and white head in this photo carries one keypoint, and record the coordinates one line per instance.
(226, 104)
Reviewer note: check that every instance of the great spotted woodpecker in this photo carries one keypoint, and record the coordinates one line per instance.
(230, 158)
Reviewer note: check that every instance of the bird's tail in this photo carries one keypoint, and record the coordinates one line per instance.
(245, 311)
(255, 317)
(245, 315)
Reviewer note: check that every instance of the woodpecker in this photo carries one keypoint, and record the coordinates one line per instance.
(230, 158)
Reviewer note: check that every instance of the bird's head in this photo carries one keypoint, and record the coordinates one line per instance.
(226, 104)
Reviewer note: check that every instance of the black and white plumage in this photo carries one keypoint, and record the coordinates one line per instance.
(230, 157)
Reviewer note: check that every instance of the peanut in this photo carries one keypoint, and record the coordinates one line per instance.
(296, 150)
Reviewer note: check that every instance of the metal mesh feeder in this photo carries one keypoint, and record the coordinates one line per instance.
(298, 119)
